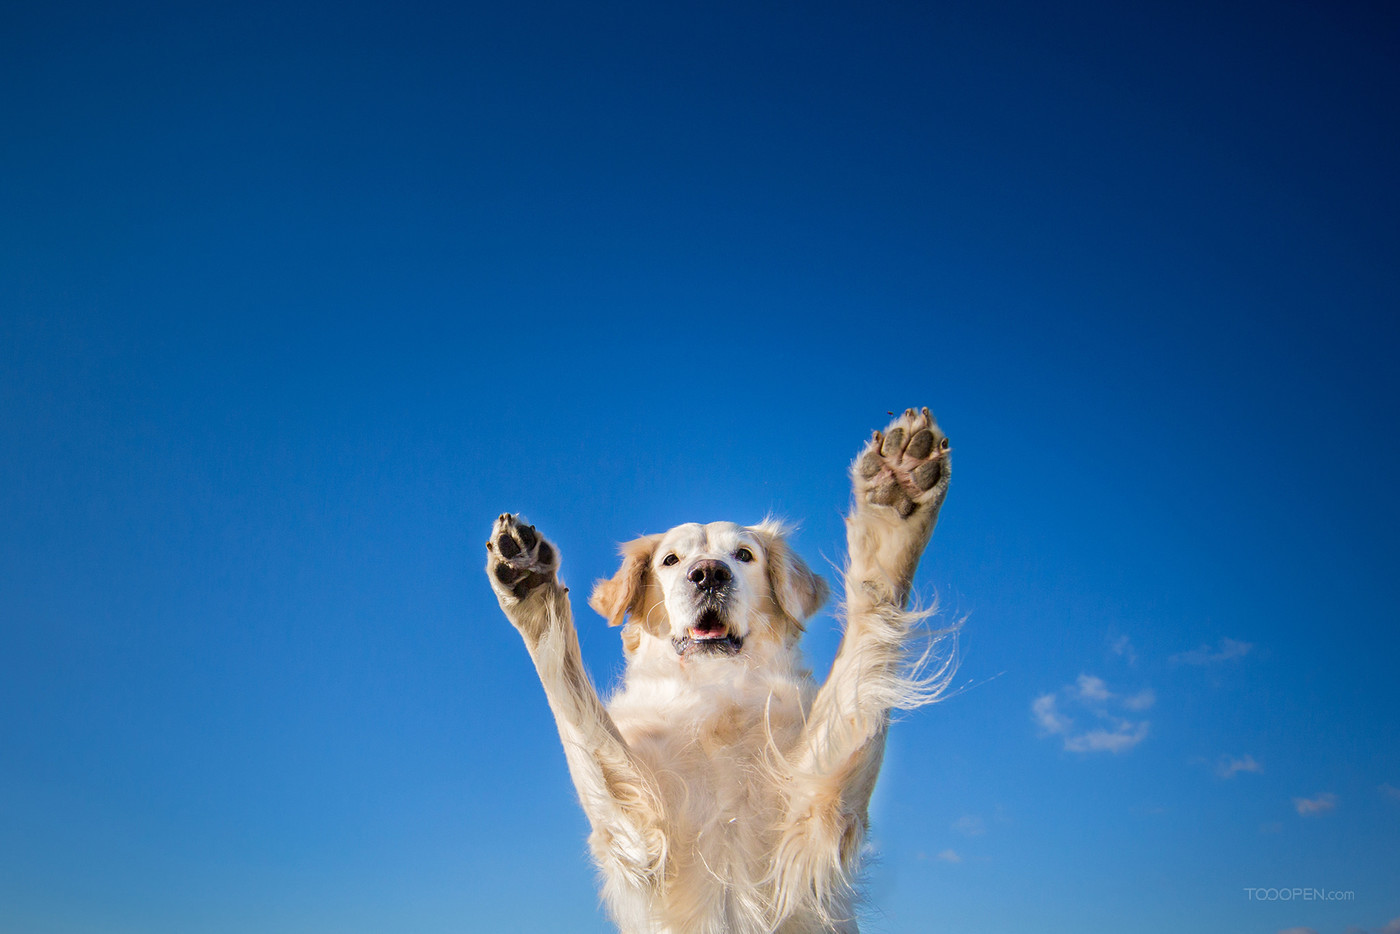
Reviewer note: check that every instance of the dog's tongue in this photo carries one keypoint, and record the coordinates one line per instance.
(709, 626)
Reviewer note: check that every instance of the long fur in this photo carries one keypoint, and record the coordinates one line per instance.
(726, 792)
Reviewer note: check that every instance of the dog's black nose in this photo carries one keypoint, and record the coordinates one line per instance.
(709, 574)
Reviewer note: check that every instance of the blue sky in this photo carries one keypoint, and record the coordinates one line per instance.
(295, 298)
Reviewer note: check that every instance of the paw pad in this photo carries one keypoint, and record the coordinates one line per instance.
(520, 560)
(905, 466)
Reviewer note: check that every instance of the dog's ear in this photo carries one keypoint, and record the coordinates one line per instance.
(797, 590)
(615, 599)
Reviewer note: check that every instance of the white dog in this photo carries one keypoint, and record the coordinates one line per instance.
(726, 793)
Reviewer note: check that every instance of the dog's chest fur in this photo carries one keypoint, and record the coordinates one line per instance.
(712, 731)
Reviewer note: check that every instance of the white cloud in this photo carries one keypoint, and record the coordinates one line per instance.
(1319, 804)
(1141, 700)
(1049, 718)
(1093, 689)
(970, 825)
(1391, 792)
(1205, 655)
(1298, 931)
(1108, 731)
(1122, 737)
(1392, 928)
(1123, 647)
(1229, 765)
(950, 856)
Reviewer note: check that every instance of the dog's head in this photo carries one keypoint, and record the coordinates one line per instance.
(710, 589)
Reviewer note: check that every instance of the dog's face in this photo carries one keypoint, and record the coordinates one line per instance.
(710, 589)
(712, 576)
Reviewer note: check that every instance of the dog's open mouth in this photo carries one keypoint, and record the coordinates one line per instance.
(710, 635)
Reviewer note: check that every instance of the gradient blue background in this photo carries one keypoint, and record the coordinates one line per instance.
(295, 298)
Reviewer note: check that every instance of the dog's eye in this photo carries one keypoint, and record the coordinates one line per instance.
(744, 555)
(669, 560)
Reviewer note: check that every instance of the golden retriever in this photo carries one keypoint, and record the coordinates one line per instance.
(727, 794)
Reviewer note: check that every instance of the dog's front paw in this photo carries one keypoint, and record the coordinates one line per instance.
(519, 560)
(905, 467)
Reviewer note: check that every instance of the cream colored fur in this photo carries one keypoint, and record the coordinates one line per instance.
(727, 794)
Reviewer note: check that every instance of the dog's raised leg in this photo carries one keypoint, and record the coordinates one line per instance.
(898, 484)
(617, 795)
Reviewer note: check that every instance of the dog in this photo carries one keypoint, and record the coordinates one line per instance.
(726, 793)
